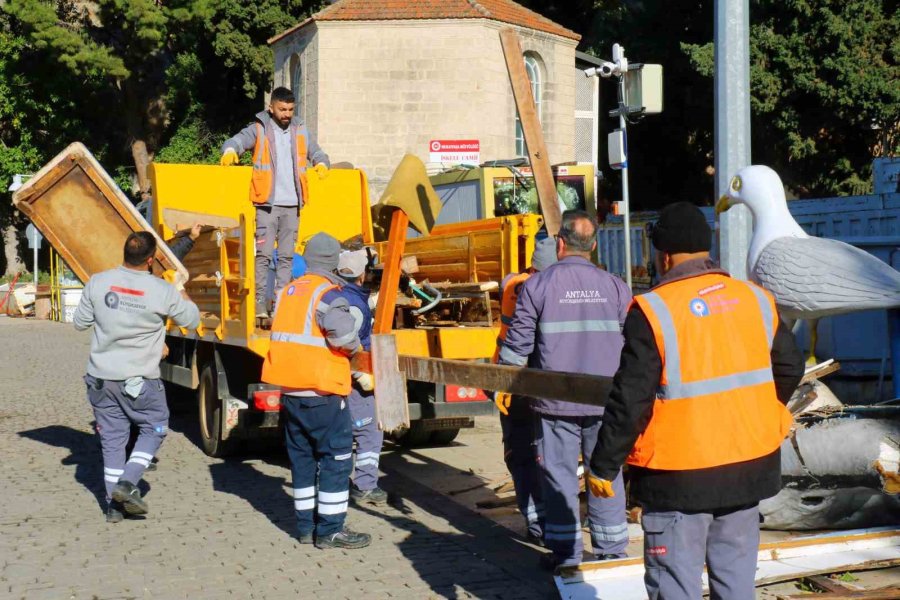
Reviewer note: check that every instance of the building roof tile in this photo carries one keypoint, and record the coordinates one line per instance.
(505, 11)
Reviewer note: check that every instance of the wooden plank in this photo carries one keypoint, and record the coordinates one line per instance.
(531, 128)
(571, 387)
(390, 280)
(484, 286)
(827, 584)
(891, 593)
(822, 371)
(391, 406)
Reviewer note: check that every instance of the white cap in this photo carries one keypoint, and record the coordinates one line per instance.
(352, 263)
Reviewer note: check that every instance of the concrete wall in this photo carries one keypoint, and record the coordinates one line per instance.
(386, 88)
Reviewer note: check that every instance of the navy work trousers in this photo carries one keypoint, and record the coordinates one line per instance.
(320, 445)
(114, 412)
(368, 439)
(520, 456)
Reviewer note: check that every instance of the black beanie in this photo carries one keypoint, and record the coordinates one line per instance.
(681, 229)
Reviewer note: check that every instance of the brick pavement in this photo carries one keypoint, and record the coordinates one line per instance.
(217, 529)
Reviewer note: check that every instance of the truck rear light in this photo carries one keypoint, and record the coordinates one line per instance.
(457, 393)
(268, 400)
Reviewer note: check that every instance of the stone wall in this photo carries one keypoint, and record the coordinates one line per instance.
(382, 89)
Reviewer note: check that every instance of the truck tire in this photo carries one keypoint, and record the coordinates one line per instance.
(414, 437)
(210, 414)
(443, 437)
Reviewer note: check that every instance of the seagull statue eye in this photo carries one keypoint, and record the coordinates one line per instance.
(736, 183)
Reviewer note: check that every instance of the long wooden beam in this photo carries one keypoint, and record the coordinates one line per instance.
(531, 129)
(572, 387)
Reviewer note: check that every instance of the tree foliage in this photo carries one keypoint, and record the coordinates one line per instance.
(825, 90)
(823, 74)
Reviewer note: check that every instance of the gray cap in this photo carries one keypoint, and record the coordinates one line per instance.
(352, 263)
(321, 253)
(544, 254)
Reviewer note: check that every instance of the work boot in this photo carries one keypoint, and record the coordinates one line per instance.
(306, 538)
(343, 539)
(611, 556)
(375, 496)
(262, 312)
(552, 563)
(151, 466)
(114, 513)
(130, 497)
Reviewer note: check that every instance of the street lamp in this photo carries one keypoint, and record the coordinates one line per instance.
(639, 92)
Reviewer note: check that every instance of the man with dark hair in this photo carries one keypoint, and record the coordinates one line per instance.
(696, 411)
(568, 318)
(128, 307)
(283, 148)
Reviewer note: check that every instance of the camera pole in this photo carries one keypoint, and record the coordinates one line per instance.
(622, 62)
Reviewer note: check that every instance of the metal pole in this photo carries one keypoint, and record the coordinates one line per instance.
(626, 209)
(732, 107)
(35, 267)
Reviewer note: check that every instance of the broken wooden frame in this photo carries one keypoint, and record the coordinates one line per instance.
(856, 550)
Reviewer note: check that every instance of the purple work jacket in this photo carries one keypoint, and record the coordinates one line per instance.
(568, 318)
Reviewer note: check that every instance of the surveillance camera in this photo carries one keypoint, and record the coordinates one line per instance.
(606, 69)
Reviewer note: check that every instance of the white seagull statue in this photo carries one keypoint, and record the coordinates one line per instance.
(810, 277)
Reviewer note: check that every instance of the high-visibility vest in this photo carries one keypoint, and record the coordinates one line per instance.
(508, 307)
(262, 179)
(716, 403)
(299, 357)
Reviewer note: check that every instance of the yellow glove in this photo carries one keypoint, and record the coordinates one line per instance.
(365, 381)
(600, 488)
(503, 400)
(229, 158)
(321, 170)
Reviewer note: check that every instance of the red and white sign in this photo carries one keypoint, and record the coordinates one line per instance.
(455, 151)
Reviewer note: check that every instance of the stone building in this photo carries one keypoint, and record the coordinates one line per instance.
(376, 79)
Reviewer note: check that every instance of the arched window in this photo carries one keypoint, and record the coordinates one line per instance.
(533, 69)
(297, 85)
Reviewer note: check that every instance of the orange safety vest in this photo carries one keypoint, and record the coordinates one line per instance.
(508, 307)
(262, 180)
(716, 403)
(299, 357)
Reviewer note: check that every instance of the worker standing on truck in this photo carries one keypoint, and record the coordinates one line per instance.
(568, 318)
(313, 336)
(698, 409)
(352, 268)
(516, 416)
(128, 307)
(283, 148)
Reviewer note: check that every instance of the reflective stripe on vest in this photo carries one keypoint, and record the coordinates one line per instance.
(305, 338)
(674, 388)
(582, 326)
(716, 403)
(261, 180)
(299, 356)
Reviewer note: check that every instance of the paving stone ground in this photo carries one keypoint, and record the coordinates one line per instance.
(223, 528)
(217, 528)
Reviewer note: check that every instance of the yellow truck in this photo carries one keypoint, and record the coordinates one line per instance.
(222, 358)
(76, 205)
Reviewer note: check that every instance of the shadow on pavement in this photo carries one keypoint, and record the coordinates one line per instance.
(265, 493)
(480, 536)
(84, 451)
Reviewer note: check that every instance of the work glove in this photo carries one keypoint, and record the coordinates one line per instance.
(503, 400)
(365, 381)
(600, 488)
(321, 170)
(229, 158)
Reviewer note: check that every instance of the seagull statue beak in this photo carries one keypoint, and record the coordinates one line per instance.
(723, 204)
